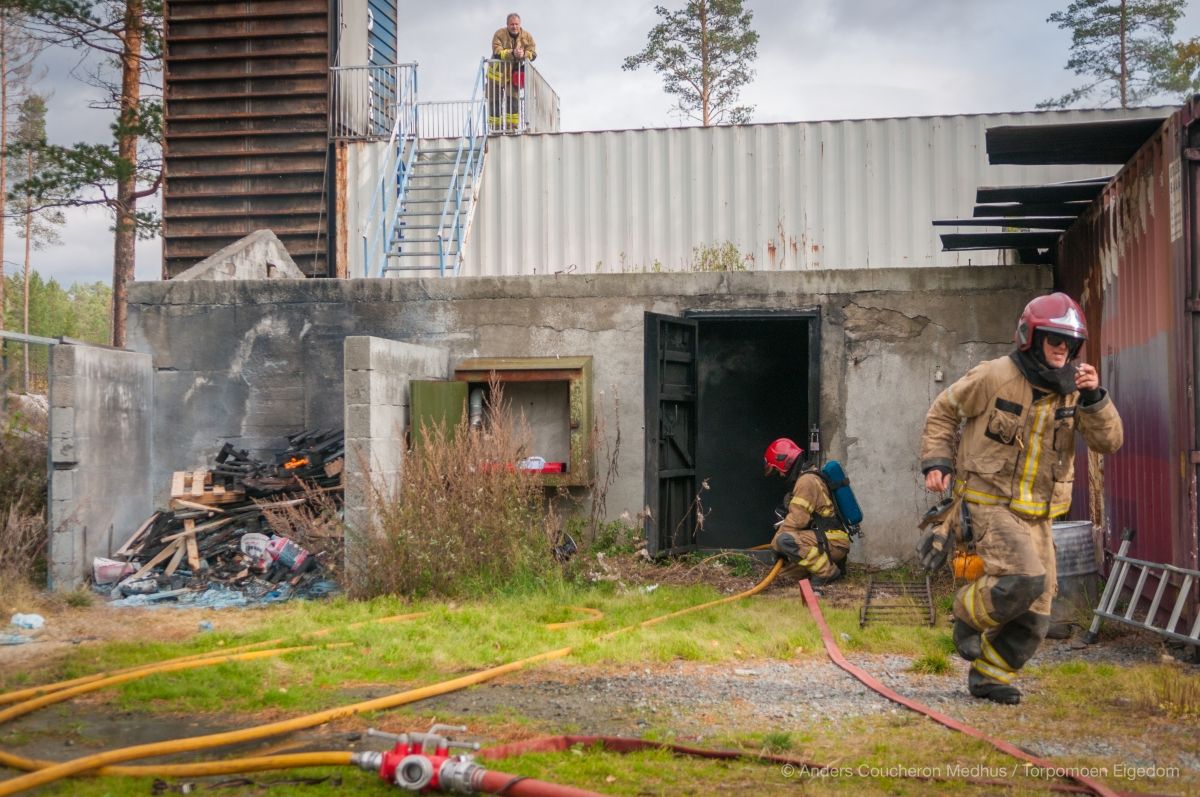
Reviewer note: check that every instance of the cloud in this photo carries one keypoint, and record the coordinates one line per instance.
(818, 59)
(86, 251)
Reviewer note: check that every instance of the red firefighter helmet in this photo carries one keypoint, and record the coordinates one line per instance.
(1057, 313)
(780, 456)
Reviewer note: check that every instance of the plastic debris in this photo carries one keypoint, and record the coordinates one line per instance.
(108, 571)
(206, 625)
(145, 585)
(30, 621)
(14, 639)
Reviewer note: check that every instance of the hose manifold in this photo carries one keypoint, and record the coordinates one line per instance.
(414, 772)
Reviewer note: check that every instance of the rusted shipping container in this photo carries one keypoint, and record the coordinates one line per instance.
(1131, 258)
(246, 148)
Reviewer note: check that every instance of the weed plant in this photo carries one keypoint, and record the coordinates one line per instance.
(23, 486)
(465, 522)
(1174, 692)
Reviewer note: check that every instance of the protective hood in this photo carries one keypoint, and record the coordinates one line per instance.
(1043, 377)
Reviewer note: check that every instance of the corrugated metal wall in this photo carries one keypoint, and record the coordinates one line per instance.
(246, 125)
(1128, 261)
(791, 196)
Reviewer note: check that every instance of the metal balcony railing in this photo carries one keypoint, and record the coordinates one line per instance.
(518, 98)
(369, 103)
(448, 118)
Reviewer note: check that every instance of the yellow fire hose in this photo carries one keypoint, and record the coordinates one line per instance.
(99, 761)
(33, 691)
(60, 695)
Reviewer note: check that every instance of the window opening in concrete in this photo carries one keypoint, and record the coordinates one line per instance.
(554, 398)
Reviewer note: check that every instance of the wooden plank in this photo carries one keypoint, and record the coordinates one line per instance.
(197, 483)
(179, 503)
(177, 481)
(218, 490)
(193, 552)
(194, 530)
(176, 558)
(124, 549)
(158, 558)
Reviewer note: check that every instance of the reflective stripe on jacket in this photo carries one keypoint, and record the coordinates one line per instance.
(1014, 451)
(809, 497)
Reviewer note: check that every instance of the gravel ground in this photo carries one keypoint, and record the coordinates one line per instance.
(702, 699)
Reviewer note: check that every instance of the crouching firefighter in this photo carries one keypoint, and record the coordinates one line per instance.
(812, 531)
(1012, 470)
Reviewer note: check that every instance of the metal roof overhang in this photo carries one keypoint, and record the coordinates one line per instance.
(1112, 142)
(1044, 207)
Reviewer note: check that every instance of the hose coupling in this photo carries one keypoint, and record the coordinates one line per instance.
(414, 772)
(371, 761)
(458, 775)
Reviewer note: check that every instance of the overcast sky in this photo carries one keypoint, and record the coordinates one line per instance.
(817, 59)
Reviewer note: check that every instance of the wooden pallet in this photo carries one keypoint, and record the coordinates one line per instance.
(199, 487)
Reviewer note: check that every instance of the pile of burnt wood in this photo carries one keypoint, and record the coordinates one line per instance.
(244, 523)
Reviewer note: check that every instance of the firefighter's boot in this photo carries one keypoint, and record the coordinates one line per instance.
(967, 641)
(984, 687)
(820, 581)
(991, 676)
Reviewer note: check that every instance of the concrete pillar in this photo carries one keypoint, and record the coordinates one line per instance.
(378, 373)
(101, 413)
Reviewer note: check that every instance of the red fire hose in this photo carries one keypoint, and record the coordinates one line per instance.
(810, 600)
(493, 782)
(623, 744)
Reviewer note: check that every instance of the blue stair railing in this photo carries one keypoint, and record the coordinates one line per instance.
(468, 165)
(380, 220)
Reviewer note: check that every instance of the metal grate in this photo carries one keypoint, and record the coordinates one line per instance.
(906, 602)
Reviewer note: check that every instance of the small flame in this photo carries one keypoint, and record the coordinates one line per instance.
(295, 462)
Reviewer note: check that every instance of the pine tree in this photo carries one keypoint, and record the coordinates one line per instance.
(38, 225)
(1120, 46)
(704, 52)
(126, 35)
(18, 51)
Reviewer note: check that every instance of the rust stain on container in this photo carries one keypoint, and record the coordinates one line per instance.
(246, 109)
(1131, 261)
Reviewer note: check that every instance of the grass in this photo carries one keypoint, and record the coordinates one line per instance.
(1072, 702)
(933, 663)
(463, 637)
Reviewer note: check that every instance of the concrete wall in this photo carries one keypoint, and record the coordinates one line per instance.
(378, 373)
(101, 420)
(249, 361)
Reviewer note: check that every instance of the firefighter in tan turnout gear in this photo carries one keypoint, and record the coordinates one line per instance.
(1012, 469)
(512, 46)
(809, 534)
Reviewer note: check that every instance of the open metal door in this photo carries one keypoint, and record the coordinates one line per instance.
(670, 380)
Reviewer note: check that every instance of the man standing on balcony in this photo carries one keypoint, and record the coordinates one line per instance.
(512, 46)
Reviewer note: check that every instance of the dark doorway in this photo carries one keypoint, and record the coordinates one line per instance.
(720, 386)
(758, 379)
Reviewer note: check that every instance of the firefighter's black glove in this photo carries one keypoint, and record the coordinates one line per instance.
(934, 549)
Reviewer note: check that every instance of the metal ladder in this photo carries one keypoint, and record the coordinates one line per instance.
(1124, 564)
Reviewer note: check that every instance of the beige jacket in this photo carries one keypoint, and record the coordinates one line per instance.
(503, 44)
(809, 497)
(1014, 451)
